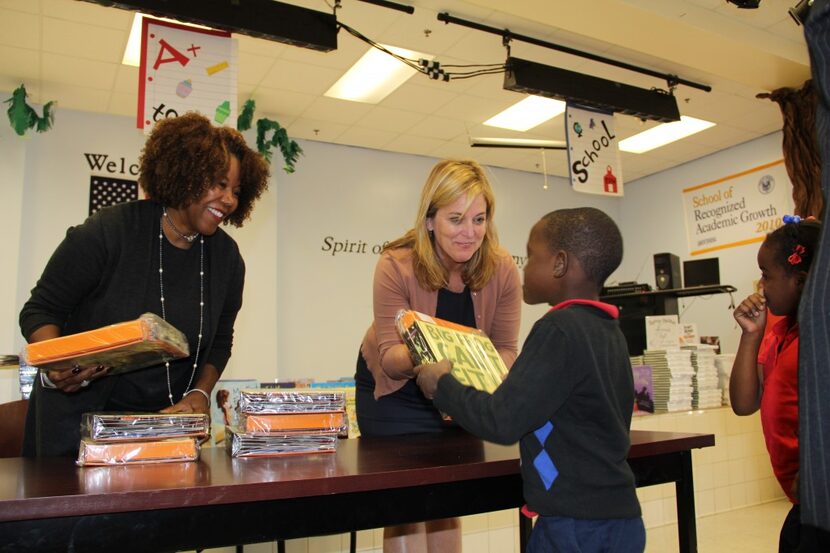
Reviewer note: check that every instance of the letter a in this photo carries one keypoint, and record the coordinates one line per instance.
(175, 55)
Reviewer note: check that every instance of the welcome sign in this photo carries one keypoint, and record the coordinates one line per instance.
(738, 209)
(593, 152)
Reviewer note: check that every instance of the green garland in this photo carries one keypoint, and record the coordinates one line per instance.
(291, 151)
(23, 117)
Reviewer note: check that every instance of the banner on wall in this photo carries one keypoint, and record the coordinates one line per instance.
(186, 69)
(738, 209)
(593, 152)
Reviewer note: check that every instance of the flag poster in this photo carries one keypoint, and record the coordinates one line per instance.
(186, 69)
(738, 209)
(107, 191)
(593, 152)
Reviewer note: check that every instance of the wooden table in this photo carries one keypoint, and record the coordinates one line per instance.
(46, 504)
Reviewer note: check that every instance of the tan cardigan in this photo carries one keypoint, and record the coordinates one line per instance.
(497, 309)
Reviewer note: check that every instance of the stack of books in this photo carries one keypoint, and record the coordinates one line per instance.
(706, 393)
(281, 422)
(672, 374)
(723, 363)
(132, 438)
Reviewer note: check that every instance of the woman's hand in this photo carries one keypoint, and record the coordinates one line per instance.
(751, 314)
(428, 376)
(193, 402)
(72, 380)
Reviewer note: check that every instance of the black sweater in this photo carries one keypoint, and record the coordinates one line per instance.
(568, 398)
(105, 271)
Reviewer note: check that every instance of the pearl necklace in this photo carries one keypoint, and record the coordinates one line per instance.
(189, 237)
(201, 302)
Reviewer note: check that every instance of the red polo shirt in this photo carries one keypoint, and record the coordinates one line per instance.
(779, 400)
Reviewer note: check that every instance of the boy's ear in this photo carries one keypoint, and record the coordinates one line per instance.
(560, 264)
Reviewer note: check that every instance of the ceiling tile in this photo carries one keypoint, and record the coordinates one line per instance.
(338, 111)
(76, 97)
(83, 41)
(68, 70)
(29, 6)
(439, 127)
(366, 138)
(281, 102)
(254, 69)
(19, 65)
(19, 29)
(416, 97)
(414, 144)
(392, 120)
(122, 103)
(126, 79)
(87, 12)
(310, 129)
(289, 75)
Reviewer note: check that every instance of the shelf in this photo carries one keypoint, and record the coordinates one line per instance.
(676, 292)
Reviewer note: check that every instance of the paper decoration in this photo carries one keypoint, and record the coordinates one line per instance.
(23, 117)
(737, 209)
(662, 332)
(593, 152)
(186, 69)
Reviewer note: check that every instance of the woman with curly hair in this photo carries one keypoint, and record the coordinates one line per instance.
(166, 255)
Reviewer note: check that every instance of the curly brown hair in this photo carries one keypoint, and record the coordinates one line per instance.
(185, 156)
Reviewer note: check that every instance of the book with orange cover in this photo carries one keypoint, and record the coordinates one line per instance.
(475, 360)
(143, 342)
(93, 453)
(330, 422)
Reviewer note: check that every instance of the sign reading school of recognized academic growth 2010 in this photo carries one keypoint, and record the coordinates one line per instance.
(186, 69)
(737, 210)
(593, 152)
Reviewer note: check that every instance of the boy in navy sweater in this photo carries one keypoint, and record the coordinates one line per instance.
(569, 396)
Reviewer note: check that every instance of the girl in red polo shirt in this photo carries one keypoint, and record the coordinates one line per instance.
(765, 372)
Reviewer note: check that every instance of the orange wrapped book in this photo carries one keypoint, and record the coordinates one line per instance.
(146, 341)
(123, 453)
(330, 422)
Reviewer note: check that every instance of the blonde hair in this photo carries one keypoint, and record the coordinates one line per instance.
(448, 181)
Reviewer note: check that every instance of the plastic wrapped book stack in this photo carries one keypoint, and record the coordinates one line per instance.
(135, 438)
(287, 422)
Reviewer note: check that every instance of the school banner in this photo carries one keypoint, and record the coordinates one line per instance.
(736, 210)
(593, 152)
(186, 69)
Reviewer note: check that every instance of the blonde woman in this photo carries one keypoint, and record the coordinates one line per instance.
(449, 265)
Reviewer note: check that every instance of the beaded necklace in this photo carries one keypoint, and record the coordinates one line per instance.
(201, 300)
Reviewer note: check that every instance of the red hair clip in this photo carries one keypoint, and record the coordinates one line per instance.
(795, 258)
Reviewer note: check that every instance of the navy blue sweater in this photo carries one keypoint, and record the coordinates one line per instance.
(568, 399)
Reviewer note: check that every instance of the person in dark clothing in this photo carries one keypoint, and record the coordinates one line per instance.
(568, 399)
(165, 255)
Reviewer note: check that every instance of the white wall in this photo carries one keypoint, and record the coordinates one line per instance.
(305, 311)
(652, 220)
(367, 197)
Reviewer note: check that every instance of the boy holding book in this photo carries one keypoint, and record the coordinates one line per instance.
(568, 398)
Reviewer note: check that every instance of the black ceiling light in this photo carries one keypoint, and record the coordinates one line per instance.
(266, 19)
(591, 92)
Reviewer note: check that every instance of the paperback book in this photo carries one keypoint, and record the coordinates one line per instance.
(475, 360)
(143, 342)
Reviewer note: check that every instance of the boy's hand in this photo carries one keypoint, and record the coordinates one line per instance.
(428, 375)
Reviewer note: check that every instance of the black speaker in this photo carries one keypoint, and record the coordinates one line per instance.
(667, 271)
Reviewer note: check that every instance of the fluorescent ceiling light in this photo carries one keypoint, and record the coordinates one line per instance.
(529, 113)
(531, 143)
(375, 75)
(132, 53)
(663, 134)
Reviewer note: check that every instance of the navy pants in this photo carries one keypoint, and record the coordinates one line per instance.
(571, 535)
